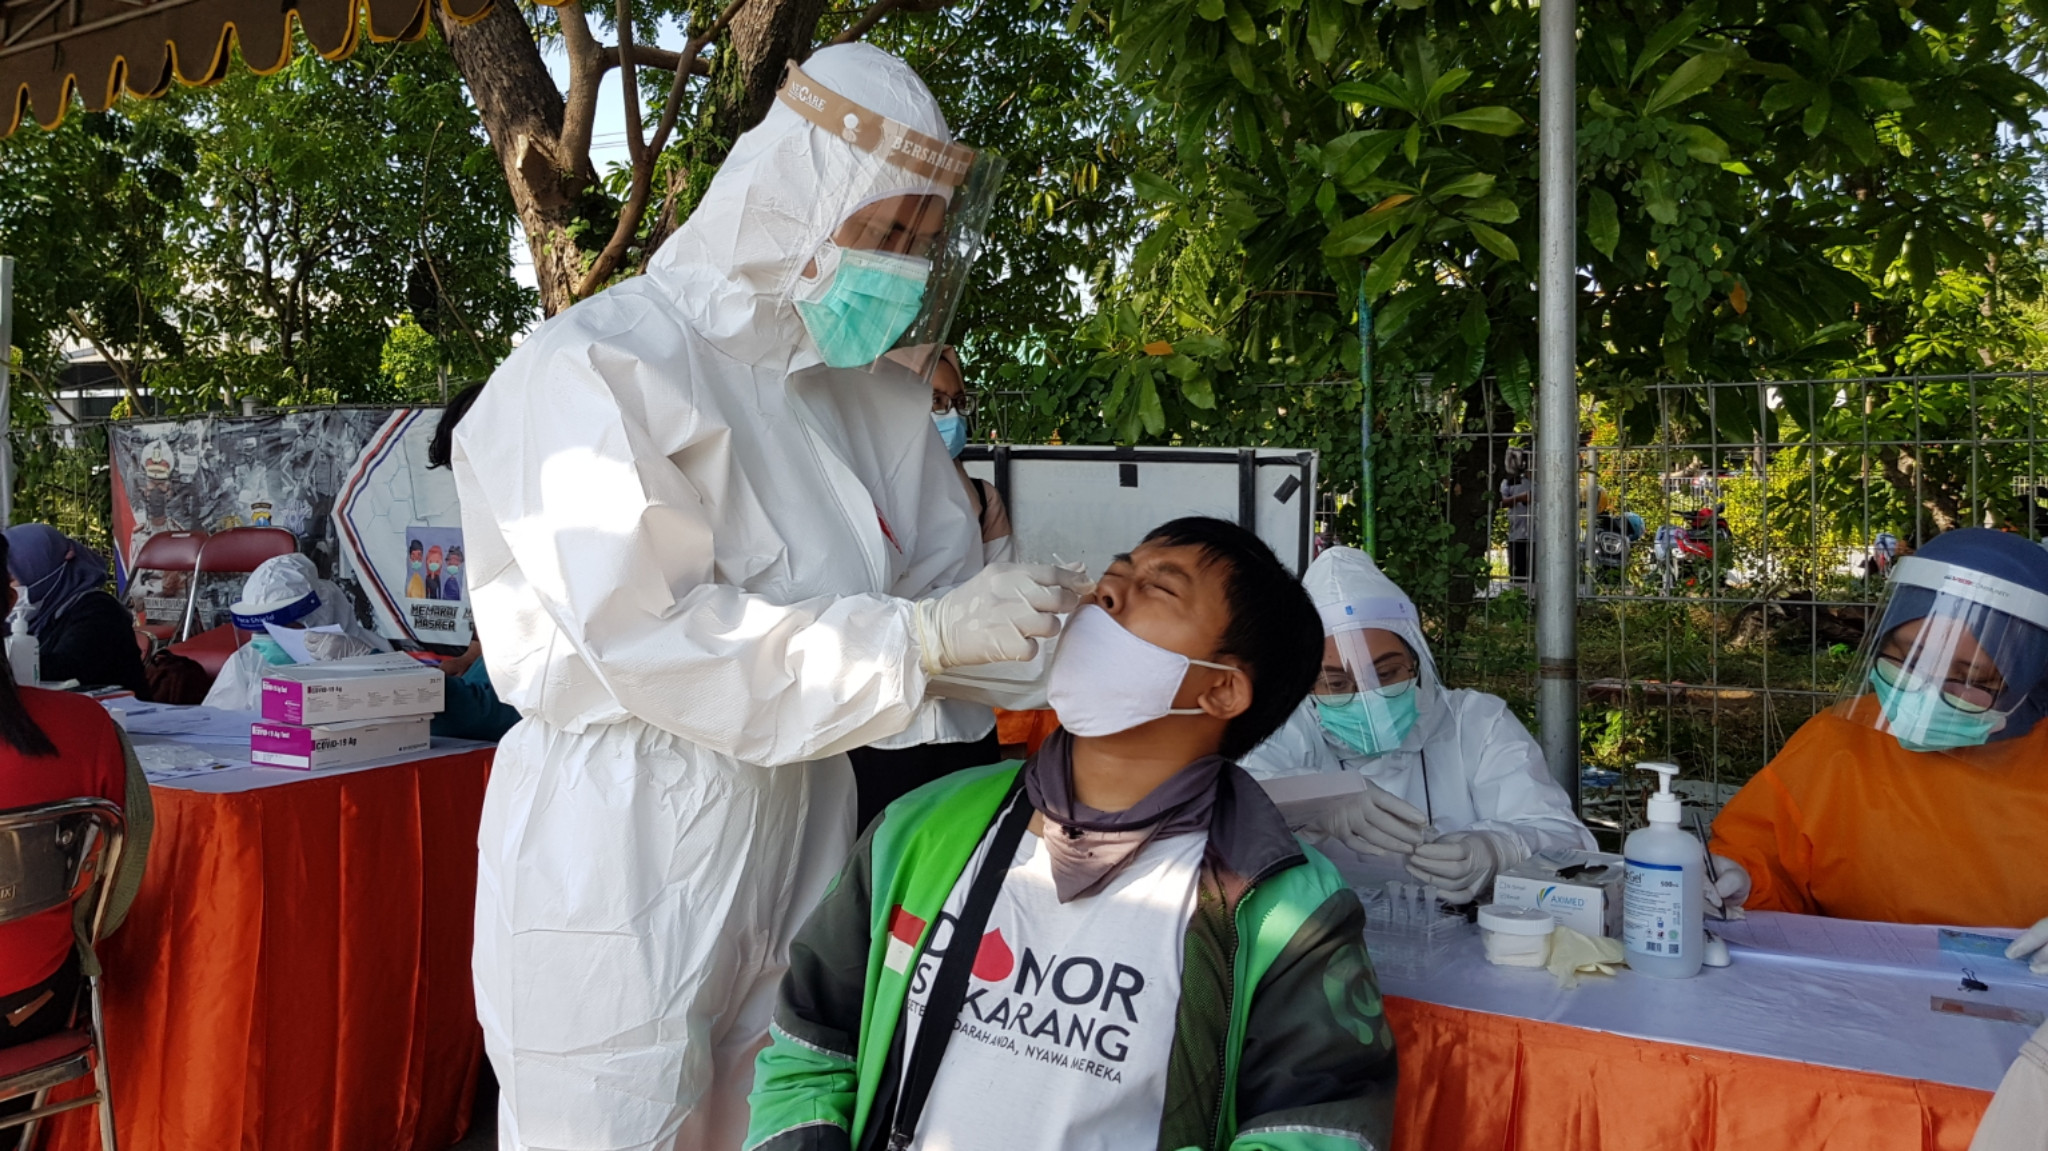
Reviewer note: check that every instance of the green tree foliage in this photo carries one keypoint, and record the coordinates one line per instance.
(84, 210)
(267, 237)
(1757, 177)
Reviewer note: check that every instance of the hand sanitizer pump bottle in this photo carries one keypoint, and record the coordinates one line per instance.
(24, 654)
(1664, 892)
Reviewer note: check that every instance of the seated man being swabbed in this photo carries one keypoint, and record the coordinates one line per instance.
(1159, 962)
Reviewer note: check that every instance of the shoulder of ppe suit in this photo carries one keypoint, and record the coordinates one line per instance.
(1487, 725)
(1297, 748)
(239, 684)
(637, 364)
(1472, 706)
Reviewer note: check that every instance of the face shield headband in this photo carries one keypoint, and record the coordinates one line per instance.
(296, 610)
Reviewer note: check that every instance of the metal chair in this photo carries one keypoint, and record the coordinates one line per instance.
(236, 551)
(171, 552)
(55, 856)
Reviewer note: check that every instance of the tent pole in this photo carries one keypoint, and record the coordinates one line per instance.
(1557, 400)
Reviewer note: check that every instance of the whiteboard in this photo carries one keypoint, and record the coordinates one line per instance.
(1090, 504)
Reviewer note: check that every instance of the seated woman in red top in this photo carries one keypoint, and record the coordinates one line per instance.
(55, 746)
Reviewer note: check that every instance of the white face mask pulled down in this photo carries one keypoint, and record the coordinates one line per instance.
(1105, 680)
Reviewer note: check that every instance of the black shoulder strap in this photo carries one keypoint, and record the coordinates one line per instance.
(949, 985)
(981, 499)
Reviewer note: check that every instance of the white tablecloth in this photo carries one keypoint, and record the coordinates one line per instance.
(1860, 1012)
(190, 734)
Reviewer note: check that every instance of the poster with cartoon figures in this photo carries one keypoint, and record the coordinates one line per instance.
(400, 533)
(213, 474)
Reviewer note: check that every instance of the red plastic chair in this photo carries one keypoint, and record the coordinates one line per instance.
(211, 648)
(171, 552)
(237, 550)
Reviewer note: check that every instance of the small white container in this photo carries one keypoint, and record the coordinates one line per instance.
(1516, 936)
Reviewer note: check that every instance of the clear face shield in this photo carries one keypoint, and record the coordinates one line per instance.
(1956, 658)
(1377, 680)
(890, 274)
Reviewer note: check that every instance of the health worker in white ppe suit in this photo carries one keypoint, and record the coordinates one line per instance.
(714, 545)
(286, 591)
(1452, 784)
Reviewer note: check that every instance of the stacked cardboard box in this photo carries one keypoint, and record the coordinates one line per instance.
(345, 711)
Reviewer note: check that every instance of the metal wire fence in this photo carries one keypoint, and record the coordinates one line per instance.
(1735, 537)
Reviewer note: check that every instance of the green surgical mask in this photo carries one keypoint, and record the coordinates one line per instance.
(870, 303)
(271, 651)
(1370, 722)
(1924, 721)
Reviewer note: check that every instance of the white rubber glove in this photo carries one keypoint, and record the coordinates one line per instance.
(2033, 947)
(1726, 894)
(324, 646)
(1371, 822)
(998, 615)
(1462, 863)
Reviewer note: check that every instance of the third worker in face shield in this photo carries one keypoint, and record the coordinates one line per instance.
(713, 548)
(1454, 787)
(1922, 795)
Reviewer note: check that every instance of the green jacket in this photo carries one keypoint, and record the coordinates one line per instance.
(1279, 1042)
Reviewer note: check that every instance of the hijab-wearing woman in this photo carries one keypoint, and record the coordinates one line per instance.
(82, 630)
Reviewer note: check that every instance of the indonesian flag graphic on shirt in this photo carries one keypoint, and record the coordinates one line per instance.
(905, 930)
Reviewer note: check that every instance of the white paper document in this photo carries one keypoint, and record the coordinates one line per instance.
(293, 640)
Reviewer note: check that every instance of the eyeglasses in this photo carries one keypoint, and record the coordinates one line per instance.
(1336, 682)
(1960, 694)
(965, 403)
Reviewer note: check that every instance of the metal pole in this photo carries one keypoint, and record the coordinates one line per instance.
(1368, 507)
(6, 391)
(1557, 401)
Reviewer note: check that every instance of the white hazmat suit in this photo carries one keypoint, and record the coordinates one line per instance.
(282, 580)
(1468, 768)
(695, 548)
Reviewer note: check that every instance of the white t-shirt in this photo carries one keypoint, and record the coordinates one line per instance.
(1063, 1040)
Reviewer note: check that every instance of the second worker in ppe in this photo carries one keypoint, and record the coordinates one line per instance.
(286, 591)
(1453, 784)
(713, 549)
(1921, 797)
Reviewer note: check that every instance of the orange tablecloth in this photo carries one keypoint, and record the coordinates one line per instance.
(1472, 1080)
(295, 973)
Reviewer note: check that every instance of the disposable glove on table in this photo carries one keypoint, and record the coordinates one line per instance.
(1573, 954)
(1462, 863)
(2032, 947)
(1371, 822)
(1000, 614)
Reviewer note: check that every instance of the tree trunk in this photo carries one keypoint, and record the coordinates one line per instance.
(522, 110)
(765, 35)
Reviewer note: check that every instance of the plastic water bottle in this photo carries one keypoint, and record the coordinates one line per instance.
(1664, 889)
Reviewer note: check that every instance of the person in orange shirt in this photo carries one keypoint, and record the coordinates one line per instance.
(1923, 796)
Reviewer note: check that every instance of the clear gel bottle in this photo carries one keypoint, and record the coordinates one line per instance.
(1664, 892)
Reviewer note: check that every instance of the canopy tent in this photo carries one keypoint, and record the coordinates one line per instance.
(49, 48)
